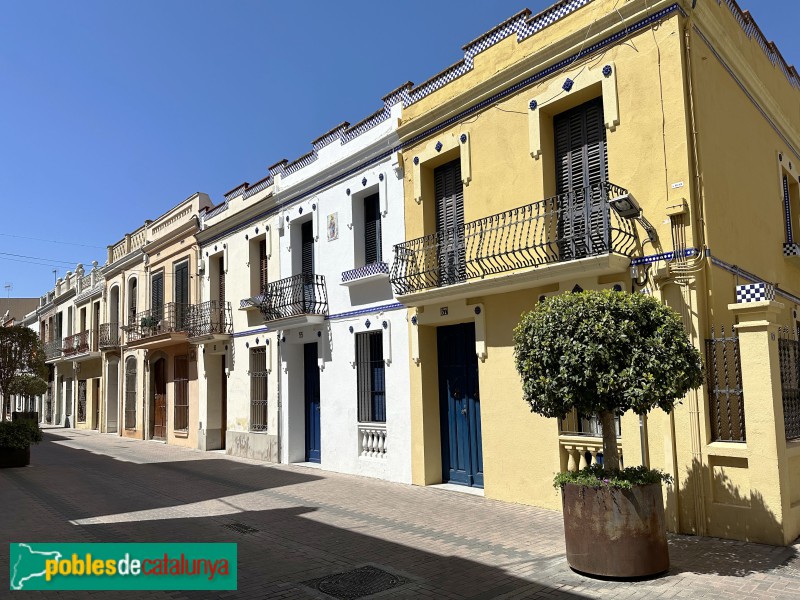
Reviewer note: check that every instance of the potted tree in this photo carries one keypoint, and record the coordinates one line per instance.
(16, 438)
(604, 353)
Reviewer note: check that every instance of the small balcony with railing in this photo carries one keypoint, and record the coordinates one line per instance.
(110, 336)
(52, 350)
(158, 327)
(539, 243)
(81, 346)
(210, 322)
(295, 301)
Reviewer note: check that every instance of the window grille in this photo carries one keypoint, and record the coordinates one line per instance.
(258, 389)
(371, 377)
(181, 393)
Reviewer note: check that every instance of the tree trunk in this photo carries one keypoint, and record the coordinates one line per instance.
(609, 427)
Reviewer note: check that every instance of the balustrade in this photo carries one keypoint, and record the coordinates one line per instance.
(373, 441)
(578, 452)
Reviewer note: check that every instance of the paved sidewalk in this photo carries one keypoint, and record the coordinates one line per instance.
(84, 486)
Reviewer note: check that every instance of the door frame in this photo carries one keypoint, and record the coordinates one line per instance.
(311, 369)
(467, 425)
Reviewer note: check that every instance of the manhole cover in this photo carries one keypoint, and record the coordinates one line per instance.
(358, 583)
(240, 528)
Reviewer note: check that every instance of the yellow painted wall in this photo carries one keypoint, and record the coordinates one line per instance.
(651, 153)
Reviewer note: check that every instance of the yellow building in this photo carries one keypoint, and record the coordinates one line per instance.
(513, 158)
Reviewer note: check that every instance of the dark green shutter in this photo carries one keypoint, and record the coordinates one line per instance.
(581, 161)
(449, 192)
(157, 295)
(372, 229)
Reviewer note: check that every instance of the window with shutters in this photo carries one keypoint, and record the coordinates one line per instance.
(581, 168)
(181, 276)
(181, 382)
(372, 230)
(258, 389)
(258, 266)
(791, 206)
(370, 369)
(221, 280)
(157, 296)
(130, 393)
(132, 301)
(449, 193)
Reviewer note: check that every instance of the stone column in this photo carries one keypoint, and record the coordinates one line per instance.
(763, 408)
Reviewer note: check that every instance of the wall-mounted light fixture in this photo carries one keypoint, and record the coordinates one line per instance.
(626, 206)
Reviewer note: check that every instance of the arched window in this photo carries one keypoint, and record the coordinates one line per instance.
(130, 393)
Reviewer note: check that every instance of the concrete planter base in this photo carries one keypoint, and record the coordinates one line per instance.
(14, 457)
(615, 533)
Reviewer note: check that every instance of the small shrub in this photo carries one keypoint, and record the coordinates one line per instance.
(595, 476)
(19, 434)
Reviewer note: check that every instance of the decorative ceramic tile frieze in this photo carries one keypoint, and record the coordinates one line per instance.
(379, 268)
(754, 292)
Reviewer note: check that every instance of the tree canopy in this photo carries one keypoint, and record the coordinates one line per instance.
(604, 353)
(21, 353)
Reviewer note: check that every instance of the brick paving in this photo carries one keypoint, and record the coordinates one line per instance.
(84, 486)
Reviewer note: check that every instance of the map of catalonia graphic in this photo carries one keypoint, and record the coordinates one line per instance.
(30, 564)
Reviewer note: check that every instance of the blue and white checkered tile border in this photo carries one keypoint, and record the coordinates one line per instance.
(379, 268)
(366, 311)
(254, 301)
(646, 260)
(750, 29)
(258, 186)
(791, 249)
(521, 24)
(754, 292)
(236, 191)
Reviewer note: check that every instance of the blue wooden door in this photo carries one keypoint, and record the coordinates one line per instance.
(460, 407)
(311, 372)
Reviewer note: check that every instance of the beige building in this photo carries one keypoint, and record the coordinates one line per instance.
(153, 289)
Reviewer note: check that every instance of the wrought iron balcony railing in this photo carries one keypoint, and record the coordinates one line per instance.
(210, 318)
(303, 294)
(109, 335)
(170, 318)
(52, 349)
(79, 343)
(570, 226)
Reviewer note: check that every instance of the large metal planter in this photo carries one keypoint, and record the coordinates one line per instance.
(615, 533)
(14, 457)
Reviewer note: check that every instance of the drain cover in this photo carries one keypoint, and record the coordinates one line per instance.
(240, 528)
(358, 583)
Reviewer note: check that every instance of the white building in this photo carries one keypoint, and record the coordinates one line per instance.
(310, 373)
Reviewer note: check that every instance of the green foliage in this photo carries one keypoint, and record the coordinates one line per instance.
(148, 322)
(21, 353)
(19, 434)
(595, 476)
(28, 385)
(601, 351)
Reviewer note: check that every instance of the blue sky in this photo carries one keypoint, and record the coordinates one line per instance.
(113, 112)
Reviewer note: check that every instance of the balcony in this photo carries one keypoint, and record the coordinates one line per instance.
(52, 350)
(295, 301)
(109, 336)
(210, 322)
(157, 327)
(535, 244)
(80, 346)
